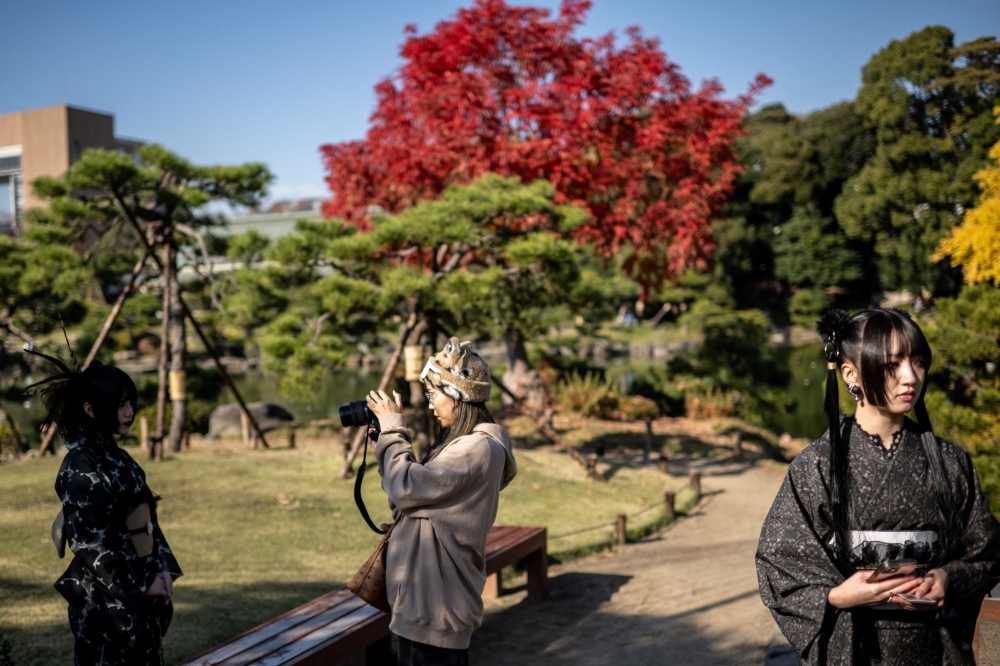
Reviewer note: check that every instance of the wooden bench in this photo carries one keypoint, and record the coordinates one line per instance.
(507, 545)
(339, 625)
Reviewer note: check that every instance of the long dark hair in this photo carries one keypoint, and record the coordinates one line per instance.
(103, 386)
(866, 340)
(470, 414)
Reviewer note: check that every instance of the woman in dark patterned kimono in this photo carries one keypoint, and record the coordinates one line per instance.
(120, 582)
(874, 488)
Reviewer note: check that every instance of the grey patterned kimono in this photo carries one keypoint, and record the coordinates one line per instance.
(110, 616)
(893, 514)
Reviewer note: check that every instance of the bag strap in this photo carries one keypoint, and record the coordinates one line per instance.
(357, 489)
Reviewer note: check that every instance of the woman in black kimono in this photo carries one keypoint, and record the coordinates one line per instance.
(874, 488)
(120, 582)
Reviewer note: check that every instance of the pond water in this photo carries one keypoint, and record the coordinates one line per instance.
(338, 388)
(805, 387)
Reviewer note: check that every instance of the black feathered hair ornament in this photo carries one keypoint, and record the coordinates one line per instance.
(64, 375)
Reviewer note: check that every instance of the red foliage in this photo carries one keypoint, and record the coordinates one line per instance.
(503, 89)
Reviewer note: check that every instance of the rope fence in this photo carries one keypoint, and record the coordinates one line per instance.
(620, 521)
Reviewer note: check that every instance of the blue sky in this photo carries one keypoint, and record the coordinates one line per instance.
(227, 82)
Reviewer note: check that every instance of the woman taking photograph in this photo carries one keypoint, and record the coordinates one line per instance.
(444, 507)
(120, 581)
(874, 489)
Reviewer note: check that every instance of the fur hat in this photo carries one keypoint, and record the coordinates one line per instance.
(459, 372)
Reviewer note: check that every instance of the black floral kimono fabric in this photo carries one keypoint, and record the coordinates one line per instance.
(112, 620)
(893, 513)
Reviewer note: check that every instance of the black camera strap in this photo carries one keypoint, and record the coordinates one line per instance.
(357, 486)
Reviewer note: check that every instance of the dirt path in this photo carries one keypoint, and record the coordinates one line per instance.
(687, 596)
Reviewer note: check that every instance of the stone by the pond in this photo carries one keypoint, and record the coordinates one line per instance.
(226, 418)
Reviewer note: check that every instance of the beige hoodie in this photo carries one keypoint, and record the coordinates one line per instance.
(444, 511)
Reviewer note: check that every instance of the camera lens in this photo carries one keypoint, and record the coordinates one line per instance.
(354, 414)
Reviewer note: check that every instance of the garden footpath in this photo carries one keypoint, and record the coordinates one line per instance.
(686, 595)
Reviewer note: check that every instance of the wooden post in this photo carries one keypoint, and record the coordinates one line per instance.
(144, 432)
(664, 463)
(291, 438)
(695, 483)
(649, 441)
(166, 271)
(186, 441)
(620, 531)
(738, 446)
(668, 504)
(245, 427)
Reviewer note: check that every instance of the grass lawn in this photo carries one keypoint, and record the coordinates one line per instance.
(260, 532)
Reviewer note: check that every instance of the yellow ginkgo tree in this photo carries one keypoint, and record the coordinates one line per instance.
(975, 243)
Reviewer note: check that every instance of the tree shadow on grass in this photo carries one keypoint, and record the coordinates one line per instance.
(204, 616)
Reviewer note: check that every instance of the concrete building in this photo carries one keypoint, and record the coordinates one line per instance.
(45, 142)
(277, 220)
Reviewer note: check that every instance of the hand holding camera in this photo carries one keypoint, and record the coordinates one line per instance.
(362, 413)
(381, 404)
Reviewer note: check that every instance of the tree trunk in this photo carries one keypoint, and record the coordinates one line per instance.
(418, 401)
(178, 357)
(156, 452)
(361, 436)
(520, 378)
(20, 442)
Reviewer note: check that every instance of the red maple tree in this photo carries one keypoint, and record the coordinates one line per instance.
(509, 90)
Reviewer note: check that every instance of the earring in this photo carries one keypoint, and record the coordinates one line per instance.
(855, 392)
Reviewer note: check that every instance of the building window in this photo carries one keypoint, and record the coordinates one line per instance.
(10, 163)
(11, 189)
(74, 151)
(8, 206)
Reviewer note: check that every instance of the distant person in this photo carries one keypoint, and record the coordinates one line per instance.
(444, 507)
(877, 489)
(120, 583)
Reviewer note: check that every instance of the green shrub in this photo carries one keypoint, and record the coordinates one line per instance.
(638, 408)
(198, 414)
(806, 306)
(588, 395)
(9, 441)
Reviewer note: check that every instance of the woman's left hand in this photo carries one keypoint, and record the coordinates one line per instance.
(163, 586)
(381, 404)
(934, 586)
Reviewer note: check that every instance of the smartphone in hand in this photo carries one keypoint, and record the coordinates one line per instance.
(891, 568)
(916, 601)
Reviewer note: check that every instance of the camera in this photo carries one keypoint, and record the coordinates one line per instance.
(357, 415)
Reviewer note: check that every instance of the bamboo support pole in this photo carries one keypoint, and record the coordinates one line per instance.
(204, 339)
(361, 437)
